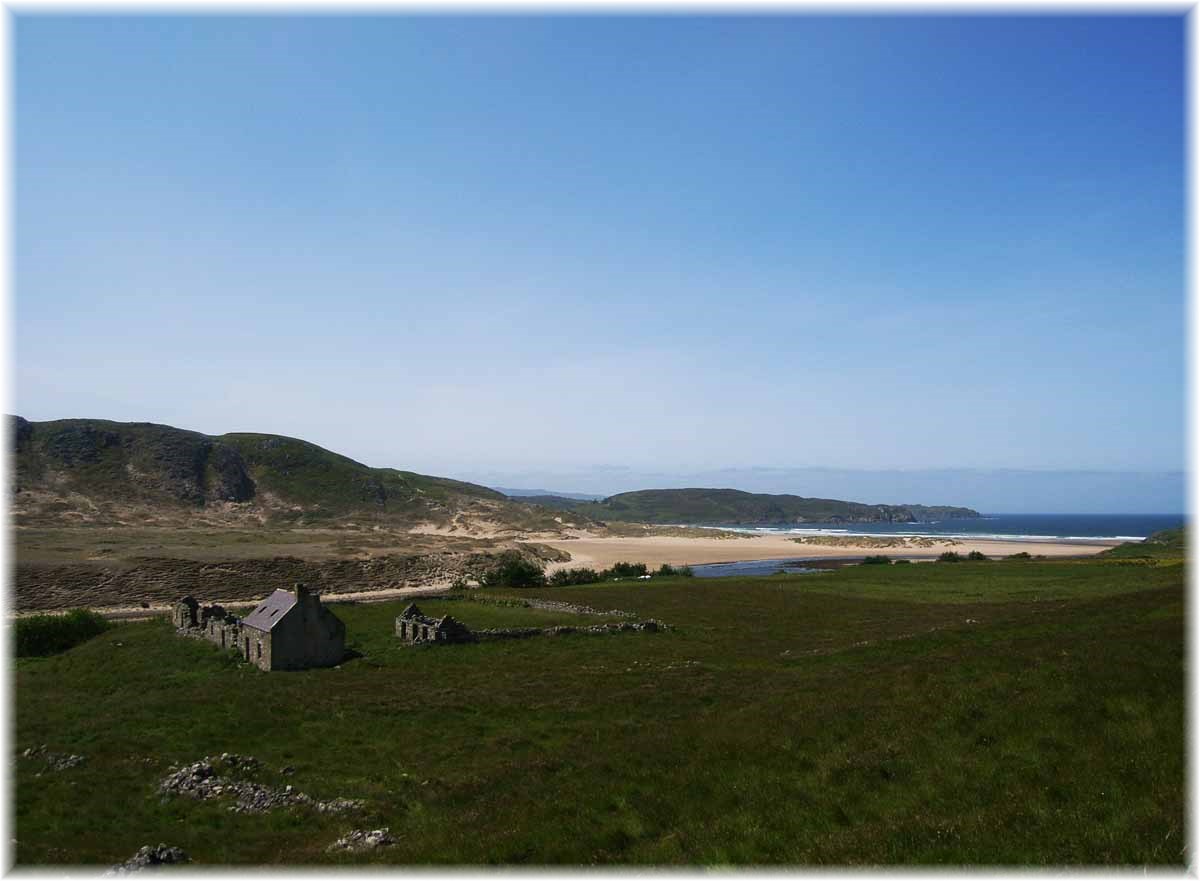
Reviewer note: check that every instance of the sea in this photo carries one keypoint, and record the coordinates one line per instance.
(1001, 527)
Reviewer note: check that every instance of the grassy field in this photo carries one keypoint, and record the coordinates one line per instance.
(978, 713)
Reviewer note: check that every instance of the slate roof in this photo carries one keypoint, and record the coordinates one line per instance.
(271, 610)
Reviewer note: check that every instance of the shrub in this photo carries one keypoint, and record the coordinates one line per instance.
(513, 570)
(877, 560)
(582, 575)
(626, 570)
(950, 557)
(976, 555)
(42, 635)
(1022, 555)
(678, 571)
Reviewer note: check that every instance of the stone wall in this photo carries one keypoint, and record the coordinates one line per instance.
(650, 626)
(413, 628)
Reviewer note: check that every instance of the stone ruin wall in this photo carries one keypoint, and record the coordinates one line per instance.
(414, 628)
(222, 629)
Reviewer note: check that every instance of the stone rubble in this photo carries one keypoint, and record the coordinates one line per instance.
(56, 761)
(200, 780)
(359, 840)
(546, 605)
(650, 626)
(147, 857)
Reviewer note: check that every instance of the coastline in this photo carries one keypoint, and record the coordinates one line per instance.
(602, 552)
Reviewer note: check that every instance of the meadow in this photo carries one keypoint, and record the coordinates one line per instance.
(997, 713)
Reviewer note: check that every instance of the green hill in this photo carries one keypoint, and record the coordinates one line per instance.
(731, 507)
(94, 470)
(1169, 544)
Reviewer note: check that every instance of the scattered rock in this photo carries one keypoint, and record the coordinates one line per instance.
(55, 761)
(148, 857)
(360, 840)
(199, 780)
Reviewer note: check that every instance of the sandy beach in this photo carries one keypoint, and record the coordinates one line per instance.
(602, 552)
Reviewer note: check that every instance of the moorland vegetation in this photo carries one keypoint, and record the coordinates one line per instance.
(1002, 713)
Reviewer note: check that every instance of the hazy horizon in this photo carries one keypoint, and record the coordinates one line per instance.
(995, 491)
(989, 492)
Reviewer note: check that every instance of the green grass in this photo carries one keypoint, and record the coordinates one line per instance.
(1166, 544)
(41, 635)
(991, 713)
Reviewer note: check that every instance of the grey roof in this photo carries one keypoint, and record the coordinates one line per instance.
(270, 611)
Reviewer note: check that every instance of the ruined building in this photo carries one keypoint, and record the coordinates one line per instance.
(413, 627)
(289, 630)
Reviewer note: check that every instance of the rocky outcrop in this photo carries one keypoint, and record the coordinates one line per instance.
(225, 478)
(149, 857)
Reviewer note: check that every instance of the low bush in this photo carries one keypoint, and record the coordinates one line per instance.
(950, 557)
(514, 570)
(42, 635)
(582, 575)
(668, 569)
(877, 560)
(1022, 555)
(977, 555)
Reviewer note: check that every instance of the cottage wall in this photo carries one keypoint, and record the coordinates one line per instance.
(306, 635)
(256, 647)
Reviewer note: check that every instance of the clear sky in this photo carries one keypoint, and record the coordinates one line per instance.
(542, 245)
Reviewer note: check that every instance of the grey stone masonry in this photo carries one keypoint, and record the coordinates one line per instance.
(414, 628)
(289, 630)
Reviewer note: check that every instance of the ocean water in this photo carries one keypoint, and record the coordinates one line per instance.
(1012, 527)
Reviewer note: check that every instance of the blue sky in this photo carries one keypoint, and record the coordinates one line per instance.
(468, 245)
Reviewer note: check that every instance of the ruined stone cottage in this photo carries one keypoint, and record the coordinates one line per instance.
(413, 627)
(289, 630)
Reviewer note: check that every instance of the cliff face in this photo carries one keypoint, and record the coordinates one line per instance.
(728, 507)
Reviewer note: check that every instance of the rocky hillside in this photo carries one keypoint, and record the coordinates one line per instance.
(731, 507)
(80, 471)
